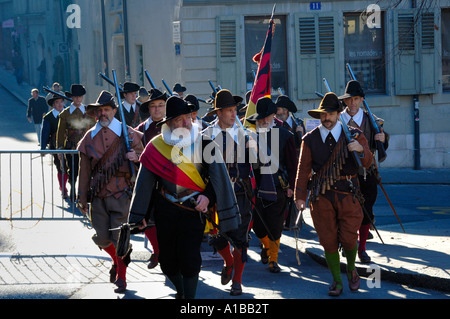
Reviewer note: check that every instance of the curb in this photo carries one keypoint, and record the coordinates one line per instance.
(416, 280)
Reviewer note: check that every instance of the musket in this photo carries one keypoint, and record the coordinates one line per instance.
(357, 193)
(124, 125)
(348, 135)
(254, 157)
(212, 86)
(389, 201)
(111, 82)
(380, 147)
(237, 118)
(167, 87)
(57, 93)
(211, 220)
(147, 75)
(132, 226)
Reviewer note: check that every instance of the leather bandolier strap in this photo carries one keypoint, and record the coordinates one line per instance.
(108, 167)
(322, 180)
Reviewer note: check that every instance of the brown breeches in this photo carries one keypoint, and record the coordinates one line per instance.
(337, 222)
(108, 213)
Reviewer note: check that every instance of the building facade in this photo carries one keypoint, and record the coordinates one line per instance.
(37, 30)
(399, 51)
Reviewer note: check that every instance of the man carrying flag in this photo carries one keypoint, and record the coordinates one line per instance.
(271, 195)
(261, 86)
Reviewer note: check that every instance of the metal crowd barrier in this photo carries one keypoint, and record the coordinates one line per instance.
(29, 187)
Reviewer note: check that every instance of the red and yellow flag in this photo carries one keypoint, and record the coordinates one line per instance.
(261, 86)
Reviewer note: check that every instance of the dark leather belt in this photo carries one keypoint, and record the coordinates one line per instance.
(185, 205)
(347, 177)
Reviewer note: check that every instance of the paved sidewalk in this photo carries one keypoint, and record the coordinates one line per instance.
(412, 176)
(420, 256)
(21, 92)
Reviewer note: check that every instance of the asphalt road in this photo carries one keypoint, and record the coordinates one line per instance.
(58, 260)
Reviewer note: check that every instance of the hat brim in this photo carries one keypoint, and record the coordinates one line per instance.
(164, 120)
(69, 94)
(237, 101)
(254, 117)
(145, 105)
(90, 109)
(53, 99)
(348, 95)
(316, 112)
(289, 105)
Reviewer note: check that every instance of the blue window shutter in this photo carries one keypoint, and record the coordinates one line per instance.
(428, 53)
(415, 52)
(317, 54)
(405, 66)
(228, 53)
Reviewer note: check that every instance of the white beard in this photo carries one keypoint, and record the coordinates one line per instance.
(180, 137)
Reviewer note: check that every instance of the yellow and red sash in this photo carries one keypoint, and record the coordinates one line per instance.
(169, 162)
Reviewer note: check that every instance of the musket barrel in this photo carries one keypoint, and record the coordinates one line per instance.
(380, 147)
(147, 75)
(57, 93)
(122, 116)
(167, 87)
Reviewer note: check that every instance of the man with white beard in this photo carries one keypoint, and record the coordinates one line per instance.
(182, 183)
(105, 180)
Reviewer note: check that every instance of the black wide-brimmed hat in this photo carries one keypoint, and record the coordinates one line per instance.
(329, 103)
(242, 109)
(285, 102)
(142, 94)
(129, 87)
(153, 95)
(54, 98)
(264, 108)
(175, 106)
(178, 88)
(353, 88)
(76, 90)
(224, 99)
(105, 98)
(193, 101)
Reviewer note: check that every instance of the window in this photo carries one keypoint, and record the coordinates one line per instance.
(415, 58)
(445, 50)
(228, 51)
(255, 34)
(317, 54)
(364, 51)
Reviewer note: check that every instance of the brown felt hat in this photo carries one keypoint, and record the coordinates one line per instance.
(329, 103)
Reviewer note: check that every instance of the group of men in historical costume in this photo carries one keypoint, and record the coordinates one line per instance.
(183, 163)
